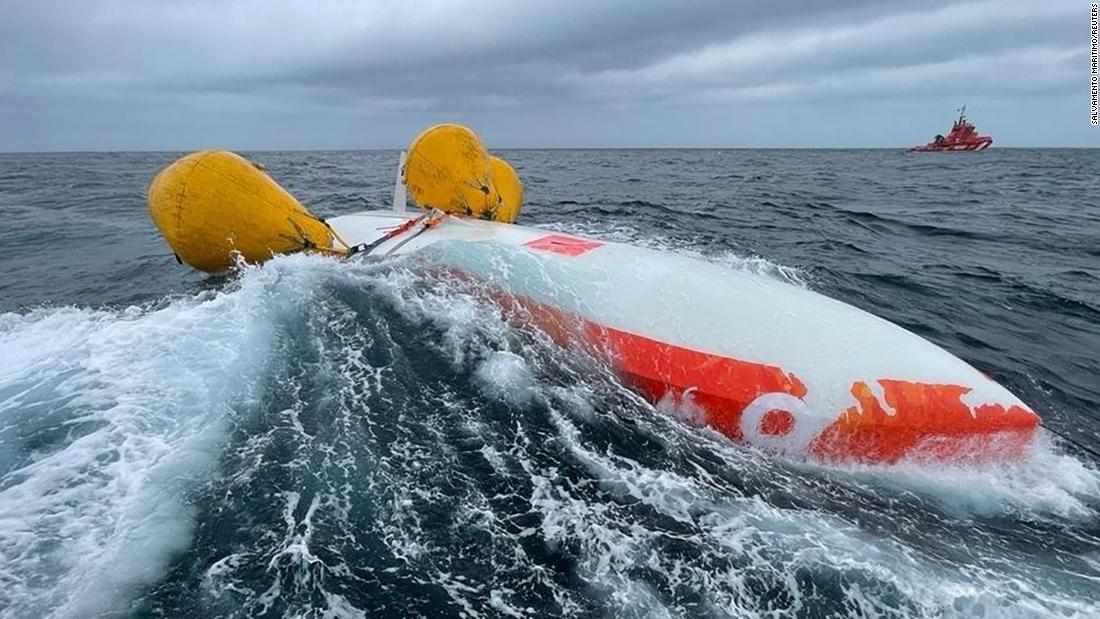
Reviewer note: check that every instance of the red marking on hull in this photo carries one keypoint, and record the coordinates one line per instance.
(925, 421)
(722, 386)
(928, 421)
(562, 244)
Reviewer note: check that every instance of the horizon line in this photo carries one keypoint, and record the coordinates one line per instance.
(532, 148)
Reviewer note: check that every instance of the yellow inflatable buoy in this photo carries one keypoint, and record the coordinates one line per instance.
(448, 168)
(212, 204)
(511, 190)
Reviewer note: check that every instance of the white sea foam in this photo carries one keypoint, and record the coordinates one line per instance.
(1048, 484)
(506, 376)
(741, 539)
(110, 419)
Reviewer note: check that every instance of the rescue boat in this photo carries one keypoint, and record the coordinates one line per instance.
(765, 362)
(962, 137)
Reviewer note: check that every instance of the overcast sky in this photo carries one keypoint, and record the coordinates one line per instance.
(267, 74)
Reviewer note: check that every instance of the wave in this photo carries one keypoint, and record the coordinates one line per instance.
(350, 439)
(110, 419)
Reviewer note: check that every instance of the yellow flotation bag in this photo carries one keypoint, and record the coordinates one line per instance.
(511, 190)
(449, 169)
(212, 204)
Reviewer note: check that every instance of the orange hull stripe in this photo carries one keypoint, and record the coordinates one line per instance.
(924, 420)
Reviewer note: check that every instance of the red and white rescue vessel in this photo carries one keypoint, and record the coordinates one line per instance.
(769, 363)
(963, 136)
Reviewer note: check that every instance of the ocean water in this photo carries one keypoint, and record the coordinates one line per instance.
(320, 439)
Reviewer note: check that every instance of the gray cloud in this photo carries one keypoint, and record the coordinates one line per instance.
(119, 74)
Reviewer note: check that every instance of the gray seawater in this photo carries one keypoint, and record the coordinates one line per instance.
(316, 439)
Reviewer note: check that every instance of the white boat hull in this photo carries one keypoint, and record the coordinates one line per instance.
(773, 364)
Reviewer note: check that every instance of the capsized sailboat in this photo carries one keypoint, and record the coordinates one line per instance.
(767, 363)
